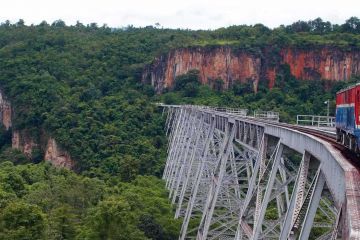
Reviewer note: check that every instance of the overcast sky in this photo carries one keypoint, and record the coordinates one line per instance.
(194, 14)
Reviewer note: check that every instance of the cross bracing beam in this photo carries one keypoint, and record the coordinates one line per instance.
(241, 178)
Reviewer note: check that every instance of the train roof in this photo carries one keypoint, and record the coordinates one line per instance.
(349, 87)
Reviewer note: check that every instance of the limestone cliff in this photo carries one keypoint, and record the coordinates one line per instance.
(57, 156)
(323, 63)
(23, 141)
(327, 63)
(217, 63)
(26, 143)
(5, 111)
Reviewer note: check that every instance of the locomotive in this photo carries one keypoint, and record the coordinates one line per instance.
(348, 117)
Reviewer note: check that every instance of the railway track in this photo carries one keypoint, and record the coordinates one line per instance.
(352, 157)
(324, 135)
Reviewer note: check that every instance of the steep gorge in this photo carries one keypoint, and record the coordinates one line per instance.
(26, 143)
(231, 65)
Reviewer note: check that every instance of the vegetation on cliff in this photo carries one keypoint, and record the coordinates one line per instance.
(289, 97)
(302, 34)
(82, 86)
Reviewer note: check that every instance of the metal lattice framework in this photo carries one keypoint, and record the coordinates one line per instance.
(232, 177)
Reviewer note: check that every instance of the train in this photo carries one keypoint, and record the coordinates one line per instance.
(348, 117)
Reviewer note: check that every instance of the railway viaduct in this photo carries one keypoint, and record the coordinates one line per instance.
(235, 177)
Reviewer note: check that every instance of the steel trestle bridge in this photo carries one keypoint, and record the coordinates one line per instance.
(235, 177)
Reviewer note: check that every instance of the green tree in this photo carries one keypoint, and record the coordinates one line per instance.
(62, 223)
(129, 168)
(191, 89)
(111, 219)
(218, 84)
(191, 77)
(352, 25)
(20, 220)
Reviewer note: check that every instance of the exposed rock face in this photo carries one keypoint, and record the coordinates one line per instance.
(57, 156)
(5, 112)
(325, 63)
(222, 62)
(23, 142)
(271, 76)
(53, 153)
(213, 64)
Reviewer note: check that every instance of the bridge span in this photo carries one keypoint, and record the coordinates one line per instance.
(235, 177)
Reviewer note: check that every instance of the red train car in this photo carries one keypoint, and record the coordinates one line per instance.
(348, 117)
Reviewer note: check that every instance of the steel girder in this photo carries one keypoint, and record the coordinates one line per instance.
(231, 178)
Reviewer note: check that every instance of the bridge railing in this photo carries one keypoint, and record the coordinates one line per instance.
(316, 121)
(236, 111)
(267, 115)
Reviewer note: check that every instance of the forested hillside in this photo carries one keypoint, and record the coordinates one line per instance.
(82, 86)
